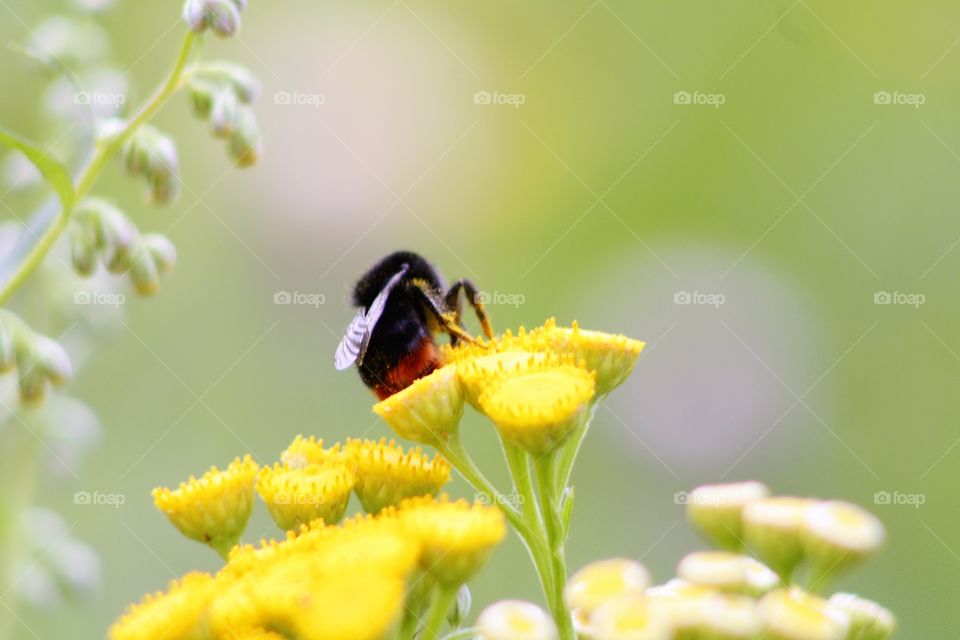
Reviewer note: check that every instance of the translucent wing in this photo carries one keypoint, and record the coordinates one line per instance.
(355, 341)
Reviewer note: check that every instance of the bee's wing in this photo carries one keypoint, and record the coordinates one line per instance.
(355, 341)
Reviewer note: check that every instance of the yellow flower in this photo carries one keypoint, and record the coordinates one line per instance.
(299, 496)
(178, 614)
(456, 537)
(213, 509)
(303, 452)
(628, 617)
(386, 474)
(717, 510)
(868, 620)
(838, 535)
(486, 370)
(771, 530)
(685, 605)
(515, 620)
(428, 411)
(731, 617)
(727, 571)
(792, 614)
(604, 580)
(539, 405)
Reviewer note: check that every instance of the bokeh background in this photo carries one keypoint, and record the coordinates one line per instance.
(542, 150)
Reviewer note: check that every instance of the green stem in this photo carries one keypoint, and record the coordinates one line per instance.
(464, 634)
(547, 470)
(518, 461)
(571, 449)
(103, 152)
(437, 615)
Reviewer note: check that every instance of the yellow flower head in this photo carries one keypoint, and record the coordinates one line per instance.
(685, 605)
(456, 538)
(304, 452)
(386, 474)
(727, 571)
(428, 411)
(717, 510)
(485, 370)
(838, 535)
(771, 529)
(540, 404)
(628, 617)
(604, 580)
(515, 620)
(868, 620)
(179, 613)
(792, 614)
(213, 509)
(299, 496)
(731, 617)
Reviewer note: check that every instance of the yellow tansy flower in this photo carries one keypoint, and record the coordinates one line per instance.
(213, 509)
(386, 474)
(515, 620)
(727, 571)
(429, 410)
(717, 510)
(628, 617)
(179, 614)
(604, 580)
(771, 530)
(303, 452)
(456, 537)
(540, 404)
(792, 614)
(486, 370)
(299, 496)
(868, 620)
(838, 535)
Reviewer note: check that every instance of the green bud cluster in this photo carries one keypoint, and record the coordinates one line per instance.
(101, 234)
(152, 154)
(220, 16)
(40, 362)
(222, 94)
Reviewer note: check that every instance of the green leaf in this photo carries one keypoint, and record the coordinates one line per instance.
(55, 174)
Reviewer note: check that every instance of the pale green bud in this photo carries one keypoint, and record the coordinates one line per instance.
(717, 510)
(225, 114)
(53, 359)
(245, 146)
(838, 535)
(162, 251)
(144, 273)
(868, 620)
(8, 349)
(83, 252)
(771, 530)
(201, 97)
(243, 82)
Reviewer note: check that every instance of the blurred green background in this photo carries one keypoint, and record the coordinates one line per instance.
(578, 183)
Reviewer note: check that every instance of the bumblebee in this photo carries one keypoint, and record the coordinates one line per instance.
(402, 302)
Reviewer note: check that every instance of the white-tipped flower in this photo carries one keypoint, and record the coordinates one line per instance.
(162, 251)
(837, 535)
(245, 147)
(515, 620)
(727, 571)
(717, 510)
(730, 617)
(793, 614)
(628, 617)
(220, 16)
(225, 113)
(684, 605)
(154, 154)
(868, 620)
(604, 580)
(771, 530)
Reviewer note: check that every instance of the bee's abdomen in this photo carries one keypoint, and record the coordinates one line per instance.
(418, 362)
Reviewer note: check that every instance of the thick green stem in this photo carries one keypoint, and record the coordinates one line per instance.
(103, 152)
(568, 453)
(556, 537)
(443, 599)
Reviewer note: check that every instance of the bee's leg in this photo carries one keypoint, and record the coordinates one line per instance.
(449, 320)
(473, 299)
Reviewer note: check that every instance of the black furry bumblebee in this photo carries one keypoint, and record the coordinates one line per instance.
(401, 303)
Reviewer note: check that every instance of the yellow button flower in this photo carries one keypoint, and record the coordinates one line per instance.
(428, 411)
(717, 510)
(838, 535)
(304, 452)
(456, 538)
(604, 580)
(792, 614)
(298, 496)
(485, 370)
(687, 606)
(515, 620)
(868, 620)
(628, 617)
(213, 509)
(727, 571)
(386, 474)
(179, 613)
(771, 530)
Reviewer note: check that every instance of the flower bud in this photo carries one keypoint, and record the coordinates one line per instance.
(54, 361)
(296, 497)
(717, 510)
(83, 254)
(838, 535)
(245, 142)
(223, 17)
(428, 411)
(195, 15)
(604, 580)
(162, 251)
(789, 614)
(244, 83)
(8, 349)
(771, 529)
(727, 571)
(144, 273)
(868, 620)
(201, 97)
(225, 114)
(628, 617)
(154, 154)
(461, 607)
(515, 620)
